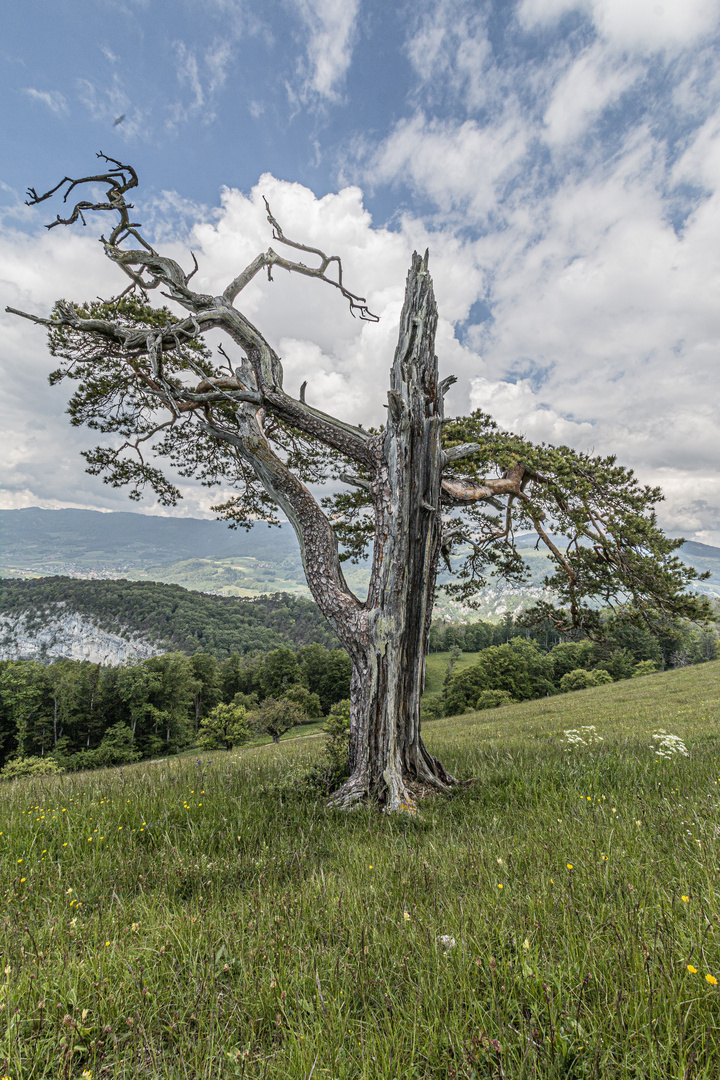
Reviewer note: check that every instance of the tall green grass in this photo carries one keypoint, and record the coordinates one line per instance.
(201, 918)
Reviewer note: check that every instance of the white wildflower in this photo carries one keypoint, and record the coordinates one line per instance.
(667, 746)
(447, 942)
(582, 736)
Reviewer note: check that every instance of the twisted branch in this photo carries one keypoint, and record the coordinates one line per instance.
(270, 258)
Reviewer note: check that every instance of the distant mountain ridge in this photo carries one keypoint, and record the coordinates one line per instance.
(90, 537)
(207, 556)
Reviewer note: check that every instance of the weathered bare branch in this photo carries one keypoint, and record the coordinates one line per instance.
(270, 258)
(32, 318)
(249, 396)
(120, 179)
(460, 490)
(461, 451)
(131, 340)
(318, 544)
(148, 270)
(355, 481)
(348, 439)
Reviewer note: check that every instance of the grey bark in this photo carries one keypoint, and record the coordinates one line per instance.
(387, 754)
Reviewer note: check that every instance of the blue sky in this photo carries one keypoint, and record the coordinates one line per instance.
(561, 158)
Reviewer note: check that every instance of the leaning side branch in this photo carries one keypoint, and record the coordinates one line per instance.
(136, 363)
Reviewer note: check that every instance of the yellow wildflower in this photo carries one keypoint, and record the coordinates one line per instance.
(691, 969)
(711, 979)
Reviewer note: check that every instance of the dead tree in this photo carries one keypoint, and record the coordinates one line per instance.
(417, 486)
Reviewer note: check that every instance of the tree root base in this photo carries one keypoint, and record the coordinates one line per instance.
(404, 800)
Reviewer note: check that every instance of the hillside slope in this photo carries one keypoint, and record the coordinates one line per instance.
(555, 918)
(146, 617)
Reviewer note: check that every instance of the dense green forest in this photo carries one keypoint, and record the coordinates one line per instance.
(514, 663)
(244, 652)
(84, 715)
(681, 643)
(171, 616)
(191, 622)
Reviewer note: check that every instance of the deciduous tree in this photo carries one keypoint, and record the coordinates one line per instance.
(276, 716)
(224, 727)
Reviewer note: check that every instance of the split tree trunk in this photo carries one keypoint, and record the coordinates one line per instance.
(387, 635)
(387, 755)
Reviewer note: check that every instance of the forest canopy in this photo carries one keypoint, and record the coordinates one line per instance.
(172, 616)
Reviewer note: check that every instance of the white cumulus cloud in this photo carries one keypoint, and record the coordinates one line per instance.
(459, 165)
(604, 330)
(591, 84)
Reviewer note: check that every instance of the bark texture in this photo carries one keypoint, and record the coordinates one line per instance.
(387, 755)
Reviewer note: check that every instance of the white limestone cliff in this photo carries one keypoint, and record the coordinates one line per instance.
(68, 635)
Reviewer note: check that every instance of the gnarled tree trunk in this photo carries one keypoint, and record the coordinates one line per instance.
(133, 363)
(387, 755)
(386, 636)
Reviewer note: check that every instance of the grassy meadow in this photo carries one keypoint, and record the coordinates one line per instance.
(198, 919)
(436, 666)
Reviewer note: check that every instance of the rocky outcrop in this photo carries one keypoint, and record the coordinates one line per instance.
(66, 635)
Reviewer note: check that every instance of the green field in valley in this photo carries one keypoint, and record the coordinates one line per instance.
(202, 918)
(436, 666)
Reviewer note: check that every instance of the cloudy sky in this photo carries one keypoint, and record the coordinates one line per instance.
(561, 159)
